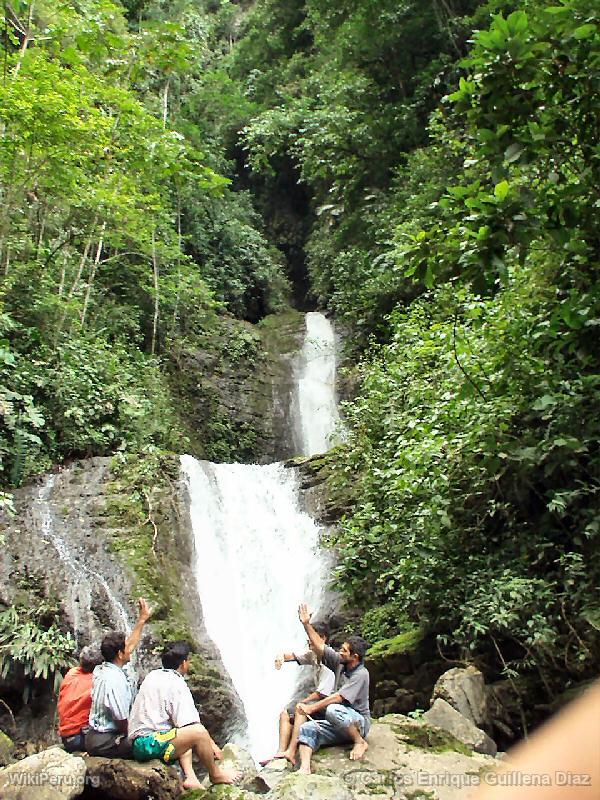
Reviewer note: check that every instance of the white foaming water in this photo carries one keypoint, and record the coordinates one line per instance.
(256, 559)
(79, 590)
(318, 420)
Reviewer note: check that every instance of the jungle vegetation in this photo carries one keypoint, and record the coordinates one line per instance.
(430, 172)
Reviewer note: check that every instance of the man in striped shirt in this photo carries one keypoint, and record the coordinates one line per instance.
(113, 690)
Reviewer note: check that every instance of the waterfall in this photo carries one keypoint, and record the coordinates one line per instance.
(79, 589)
(257, 552)
(256, 560)
(317, 418)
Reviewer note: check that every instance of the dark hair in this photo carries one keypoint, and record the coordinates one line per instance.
(112, 644)
(89, 658)
(174, 654)
(322, 628)
(358, 646)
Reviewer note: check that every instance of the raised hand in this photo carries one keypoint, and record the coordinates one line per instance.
(304, 614)
(145, 611)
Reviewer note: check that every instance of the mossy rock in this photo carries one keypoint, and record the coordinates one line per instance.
(403, 643)
(7, 748)
(423, 737)
(228, 793)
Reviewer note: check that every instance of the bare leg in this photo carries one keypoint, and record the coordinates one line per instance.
(190, 779)
(285, 731)
(196, 737)
(305, 756)
(360, 747)
(290, 753)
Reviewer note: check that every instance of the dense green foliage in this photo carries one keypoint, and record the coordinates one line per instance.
(454, 180)
(446, 154)
(118, 237)
(33, 644)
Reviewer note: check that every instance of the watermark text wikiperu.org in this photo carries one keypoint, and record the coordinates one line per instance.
(45, 778)
(397, 781)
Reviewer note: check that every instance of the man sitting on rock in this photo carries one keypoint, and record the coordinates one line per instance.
(323, 682)
(113, 692)
(165, 723)
(347, 714)
(75, 700)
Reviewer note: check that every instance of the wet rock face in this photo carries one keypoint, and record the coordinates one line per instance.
(60, 547)
(237, 400)
(57, 533)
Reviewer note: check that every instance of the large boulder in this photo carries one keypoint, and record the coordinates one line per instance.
(464, 690)
(119, 779)
(444, 716)
(49, 775)
(406, 758)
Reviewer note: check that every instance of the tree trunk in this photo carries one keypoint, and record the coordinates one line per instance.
(165, 101)
(179, 243)
(93, 274)
(26, 40)
(156, 291)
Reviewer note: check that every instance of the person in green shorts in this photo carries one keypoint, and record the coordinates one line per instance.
(165, 724)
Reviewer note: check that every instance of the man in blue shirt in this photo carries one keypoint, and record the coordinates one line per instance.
(113, 692)
(347, 714)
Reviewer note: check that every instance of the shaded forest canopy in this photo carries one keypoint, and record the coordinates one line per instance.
(429, 173)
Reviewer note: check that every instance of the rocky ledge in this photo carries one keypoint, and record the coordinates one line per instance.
(407, 759)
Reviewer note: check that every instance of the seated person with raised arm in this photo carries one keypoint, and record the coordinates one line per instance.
(347, 715)
(113, 692)
(322, 682)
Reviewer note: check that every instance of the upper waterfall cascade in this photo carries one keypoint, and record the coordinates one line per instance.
(317, 419)
(257, 552)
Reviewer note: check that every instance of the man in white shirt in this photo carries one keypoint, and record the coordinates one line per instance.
(165, 723)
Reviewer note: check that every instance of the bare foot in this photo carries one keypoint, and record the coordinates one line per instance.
(280, 754)
(227, 775)
(304, 771)
(358, 751)
(289, 756)
(191, 783)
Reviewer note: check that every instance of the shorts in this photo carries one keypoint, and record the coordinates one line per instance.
(155, 745)
(334, 728)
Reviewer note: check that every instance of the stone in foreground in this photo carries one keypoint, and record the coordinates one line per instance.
(49, 775)
(407, 759)
(442, 715)
(464, 690)
(310, 787)
(129, 780)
